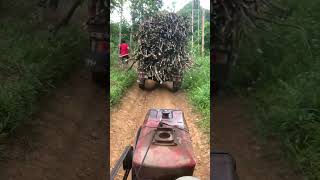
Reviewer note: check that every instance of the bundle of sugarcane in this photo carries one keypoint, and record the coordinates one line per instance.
(162, 41)
(232, 18)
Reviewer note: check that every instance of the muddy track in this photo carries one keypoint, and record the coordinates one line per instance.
(233, 132)
(130, 113)
(66, 140)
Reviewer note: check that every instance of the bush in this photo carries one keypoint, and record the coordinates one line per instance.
(197, 85)
(30, 65)
(284, 73)
(120, 80)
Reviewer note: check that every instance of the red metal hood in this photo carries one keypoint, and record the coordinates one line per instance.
(175, 157)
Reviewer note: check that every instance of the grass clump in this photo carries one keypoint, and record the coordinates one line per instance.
(282, 69)
(30, 65)
(120, 80)
(197, 85)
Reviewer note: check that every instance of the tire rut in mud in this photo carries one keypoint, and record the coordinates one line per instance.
(127, 117)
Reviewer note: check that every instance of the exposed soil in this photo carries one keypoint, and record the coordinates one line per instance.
(233, 132)
(65, 140)
(130, 113)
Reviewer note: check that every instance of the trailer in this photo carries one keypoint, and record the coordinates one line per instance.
(176, 80)
(99, 48)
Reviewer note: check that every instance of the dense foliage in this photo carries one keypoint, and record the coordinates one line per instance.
(187, 11)
(120, 79)
(197, 86)
(30, 65)
(281, 67)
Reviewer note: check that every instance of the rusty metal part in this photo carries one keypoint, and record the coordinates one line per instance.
(164, 149)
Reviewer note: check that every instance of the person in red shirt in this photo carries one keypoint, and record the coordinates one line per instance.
(124, 51)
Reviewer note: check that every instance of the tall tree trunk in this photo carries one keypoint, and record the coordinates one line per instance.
(120, 23)
(202, 51)
(192, 23)
(198, 24)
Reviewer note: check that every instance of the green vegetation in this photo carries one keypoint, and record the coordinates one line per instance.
(282, 67)
(30, 65)
(120, 81)
(197, 85)
(196, 81)
(187, 11)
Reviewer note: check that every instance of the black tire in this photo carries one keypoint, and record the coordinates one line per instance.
(176, 86)
(141, 84)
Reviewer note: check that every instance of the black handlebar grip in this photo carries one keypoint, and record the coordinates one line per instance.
(223, 166)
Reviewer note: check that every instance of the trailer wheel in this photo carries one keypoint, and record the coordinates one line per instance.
(176, 86)
(141, 84)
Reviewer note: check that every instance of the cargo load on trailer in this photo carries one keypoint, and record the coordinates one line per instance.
(161, 53)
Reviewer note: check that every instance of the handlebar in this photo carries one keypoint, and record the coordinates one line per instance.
(223, 166)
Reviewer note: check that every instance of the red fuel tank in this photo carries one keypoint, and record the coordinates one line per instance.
(163, 148)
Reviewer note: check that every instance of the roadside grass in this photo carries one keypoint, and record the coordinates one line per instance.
(197, 86)
(30, 65)
(283, 75)
(120, 80)
(290, 111)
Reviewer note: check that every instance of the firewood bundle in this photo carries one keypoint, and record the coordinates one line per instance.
(233, 18)
(162, 41)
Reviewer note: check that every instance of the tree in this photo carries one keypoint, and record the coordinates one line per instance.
(174, 5)
(120, 24)
(198, 5)
(144, 8)
(202, 49)
(113, 5)
(140, 9)
(186, 11)
(192, 22)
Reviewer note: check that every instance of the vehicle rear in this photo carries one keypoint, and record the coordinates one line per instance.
(99, 50)
(175, 78)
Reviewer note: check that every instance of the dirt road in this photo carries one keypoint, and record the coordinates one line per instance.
(233, 133)
(129, 115)
(66, 140)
